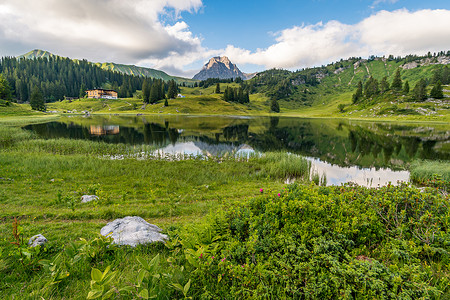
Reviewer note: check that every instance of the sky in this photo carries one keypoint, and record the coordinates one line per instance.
(179, 36)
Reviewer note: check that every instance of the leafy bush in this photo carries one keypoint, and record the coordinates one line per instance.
(311, 242)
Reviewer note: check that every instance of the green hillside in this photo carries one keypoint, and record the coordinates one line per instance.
(124, 69)
(36, 53)
(141, 71)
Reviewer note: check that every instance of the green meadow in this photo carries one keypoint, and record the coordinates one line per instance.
(236, 230)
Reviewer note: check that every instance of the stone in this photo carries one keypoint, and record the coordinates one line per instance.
(88, 198)
(36, 240)
(133, 231)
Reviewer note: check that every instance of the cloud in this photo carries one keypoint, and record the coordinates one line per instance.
(399, 32)
(377, 2)
(115, 30)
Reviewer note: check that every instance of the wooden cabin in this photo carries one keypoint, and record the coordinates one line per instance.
(101, 93)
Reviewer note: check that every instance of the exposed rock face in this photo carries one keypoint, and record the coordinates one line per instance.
(36, 240)
(133, 231)
(219, 67)
(88, 198)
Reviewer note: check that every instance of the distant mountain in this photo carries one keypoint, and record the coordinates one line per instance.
(124, 69)
(219, 67)
(36, 53)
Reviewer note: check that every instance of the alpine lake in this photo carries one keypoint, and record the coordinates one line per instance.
(367, 153)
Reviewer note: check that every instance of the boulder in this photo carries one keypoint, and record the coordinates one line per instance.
(88, 198)
(36, 240)
(133, 231)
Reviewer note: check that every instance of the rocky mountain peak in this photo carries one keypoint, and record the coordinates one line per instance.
(219, 67)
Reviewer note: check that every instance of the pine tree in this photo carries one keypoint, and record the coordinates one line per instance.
(384, 85)
(274, 106)
(437, 76)
(419, 90)
(241, 98)
(358, 94)
(5, 90)
(146, 90)
(172, 91)
(445, 75)
(397, 84)
(371, 87)
(154, 92)
(406, 88)
(162, 94)
(218, 88)
(166, 103)
(37, 100)
(436, 91)
(82, 91)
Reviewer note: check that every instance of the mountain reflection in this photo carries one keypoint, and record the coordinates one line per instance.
(343, 143)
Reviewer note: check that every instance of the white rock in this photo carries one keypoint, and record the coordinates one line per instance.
(133, 231)
(38, 239)
(88, 198)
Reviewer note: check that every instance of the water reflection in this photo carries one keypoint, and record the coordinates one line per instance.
(370, 177)
(349, 149)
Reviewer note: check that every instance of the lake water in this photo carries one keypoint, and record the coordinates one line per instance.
(368, 153)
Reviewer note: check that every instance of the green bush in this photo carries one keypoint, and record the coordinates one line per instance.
(347, 242)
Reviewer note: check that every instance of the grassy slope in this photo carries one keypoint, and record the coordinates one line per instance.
(338, 89)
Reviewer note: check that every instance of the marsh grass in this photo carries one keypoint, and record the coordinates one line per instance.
(284, 165)
(431, 173)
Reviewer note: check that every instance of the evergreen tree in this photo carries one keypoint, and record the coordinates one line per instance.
(37, 99)
(82, 93)
(358, 94)
(274, 106)
(419, 91)
(436, 91)
(445, 75)
(166, 103)
(162, 95)
(218, 88)
(384, 85)
(241, 98)
(155, 91)
(172, 91)
(371, 87)
(146, 90)
(397, 84)
(406, 88)
(437, 76)
(5, 90)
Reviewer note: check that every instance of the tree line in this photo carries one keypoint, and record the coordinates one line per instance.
(235, 95)
(154, 90)
(372, 87)
(58, 77)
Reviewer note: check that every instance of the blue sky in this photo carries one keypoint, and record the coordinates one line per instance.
(179, 36)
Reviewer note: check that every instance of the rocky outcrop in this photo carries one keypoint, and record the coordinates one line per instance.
(133, 231)
(37, 240)
(88, 198)
(219, 67)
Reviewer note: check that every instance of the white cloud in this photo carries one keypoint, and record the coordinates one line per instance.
(377, 2)
(115, 30)
(133, 32)
(399, 32)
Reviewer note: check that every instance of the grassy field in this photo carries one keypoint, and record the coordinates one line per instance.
(202, 205)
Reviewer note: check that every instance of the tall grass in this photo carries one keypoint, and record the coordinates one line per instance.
(12, 135)
(431, 173)
(284, 165)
